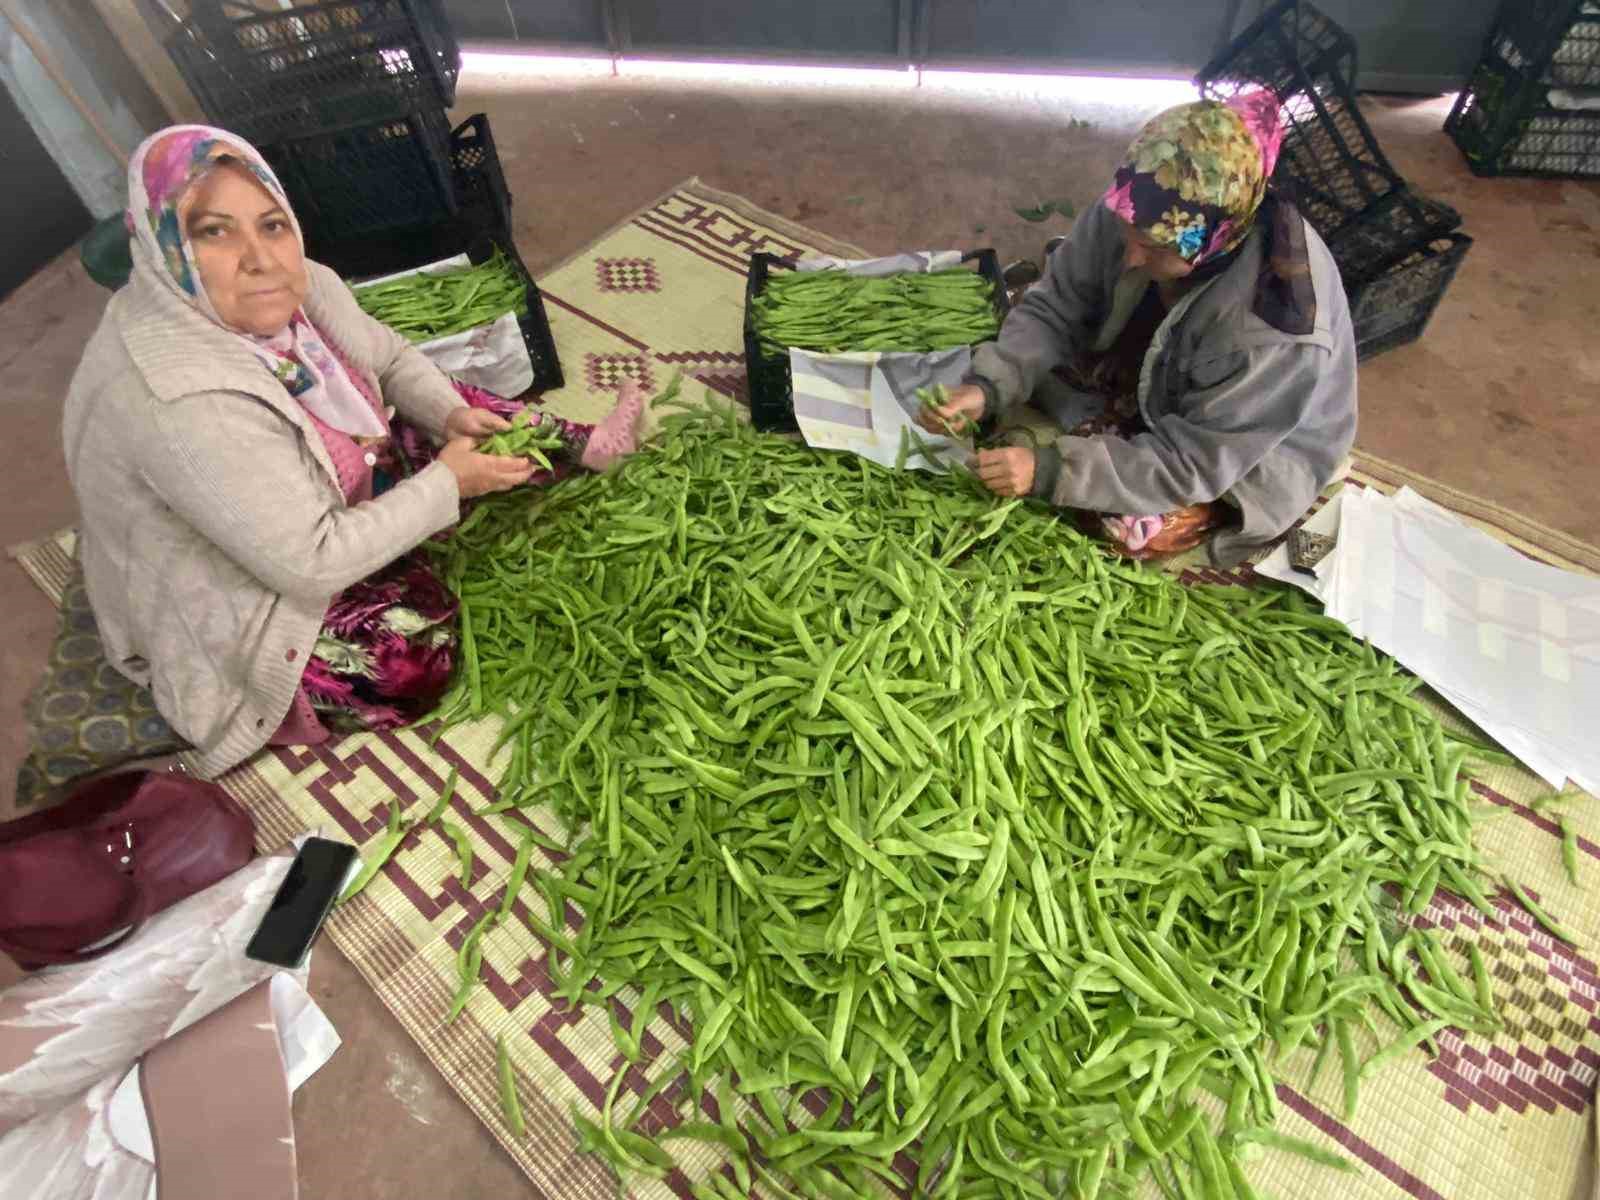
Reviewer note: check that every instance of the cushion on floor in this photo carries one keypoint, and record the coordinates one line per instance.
(85, 716)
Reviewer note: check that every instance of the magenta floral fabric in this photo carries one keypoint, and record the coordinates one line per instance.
(384, 654)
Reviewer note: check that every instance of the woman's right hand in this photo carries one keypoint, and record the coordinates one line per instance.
(479, 474)
(962, 411)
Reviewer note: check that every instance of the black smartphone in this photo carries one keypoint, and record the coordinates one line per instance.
(296, 913)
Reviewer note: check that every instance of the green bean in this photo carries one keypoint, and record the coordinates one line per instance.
(382, 850)
(1406, 1041)
(510, 1106)
(1544, 918)
(469, 962)
(1309, 1150)
(445, 794)
(519, 872)
(925, 801)
(464, 852)
(1569, 849)
(437, 304)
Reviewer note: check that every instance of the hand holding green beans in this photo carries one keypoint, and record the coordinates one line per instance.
(479, 474)
(524, 437)
(956, 413)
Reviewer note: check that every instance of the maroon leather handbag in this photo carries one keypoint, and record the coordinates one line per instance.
(119, 849)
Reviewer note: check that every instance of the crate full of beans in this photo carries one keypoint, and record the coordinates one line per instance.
(839, 349)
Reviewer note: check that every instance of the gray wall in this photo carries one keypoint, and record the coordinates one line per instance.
(1405, 45)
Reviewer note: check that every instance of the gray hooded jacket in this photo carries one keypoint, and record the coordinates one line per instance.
(1236, 409)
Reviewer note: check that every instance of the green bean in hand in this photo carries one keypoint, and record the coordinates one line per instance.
(526, 438)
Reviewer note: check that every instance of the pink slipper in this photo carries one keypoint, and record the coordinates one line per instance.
(1133, 532)
(616, 436)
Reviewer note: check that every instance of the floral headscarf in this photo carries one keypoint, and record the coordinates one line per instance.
(161, 178)
(1197, 173)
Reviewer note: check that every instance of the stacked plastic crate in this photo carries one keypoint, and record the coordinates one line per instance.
(1532, 106)
(347, 100)
(1397, 249)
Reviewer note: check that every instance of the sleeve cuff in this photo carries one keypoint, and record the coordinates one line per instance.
(990, 421)
(444, 496)
(1046, 470)
(991, 394)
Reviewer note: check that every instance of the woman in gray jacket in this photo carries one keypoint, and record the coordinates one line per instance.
(222, 433)
(1201, 327)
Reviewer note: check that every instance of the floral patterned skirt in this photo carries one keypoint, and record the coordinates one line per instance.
(1132, 535)
(387, 645)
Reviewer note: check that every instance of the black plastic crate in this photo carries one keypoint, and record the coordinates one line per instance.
(535, 326)
(1576, 61)
(1394, 308)
(1366, 244)
(1330, 162)
(536, 335)
(1531, 33)
(770, 383)
(1329, 152)
(314, 67)
(1549, 143)
(483, 205)
(1504, 124)
(1292, 47)
(369, 179)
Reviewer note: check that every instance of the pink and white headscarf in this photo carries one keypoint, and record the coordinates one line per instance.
(161, 178)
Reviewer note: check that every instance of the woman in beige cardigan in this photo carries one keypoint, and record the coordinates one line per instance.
(222, 432)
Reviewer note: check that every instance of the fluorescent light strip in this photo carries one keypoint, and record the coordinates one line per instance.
(533, 66)
(744, 72)
(1116, 89)
(1105, 89)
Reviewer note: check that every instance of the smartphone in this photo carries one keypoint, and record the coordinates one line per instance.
(315, 879)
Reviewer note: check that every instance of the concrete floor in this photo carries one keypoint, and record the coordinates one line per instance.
(1499, 398)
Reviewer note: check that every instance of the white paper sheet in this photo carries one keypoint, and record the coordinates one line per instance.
(893, 264)
(1513, 644)
(862, 401)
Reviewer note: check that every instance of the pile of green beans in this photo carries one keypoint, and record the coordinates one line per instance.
(525, 439)
(922, 803)
(831, 312)
(424, 306)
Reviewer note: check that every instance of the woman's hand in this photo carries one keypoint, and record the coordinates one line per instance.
(479, 474)
(469, 422)
(1007, 471)
(962, 410)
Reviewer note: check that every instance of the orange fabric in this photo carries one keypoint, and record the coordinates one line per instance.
(1182, 529)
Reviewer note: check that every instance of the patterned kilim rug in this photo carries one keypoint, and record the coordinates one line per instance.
(1490, 1119)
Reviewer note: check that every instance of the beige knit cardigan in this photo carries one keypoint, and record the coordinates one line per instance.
(214, 531)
